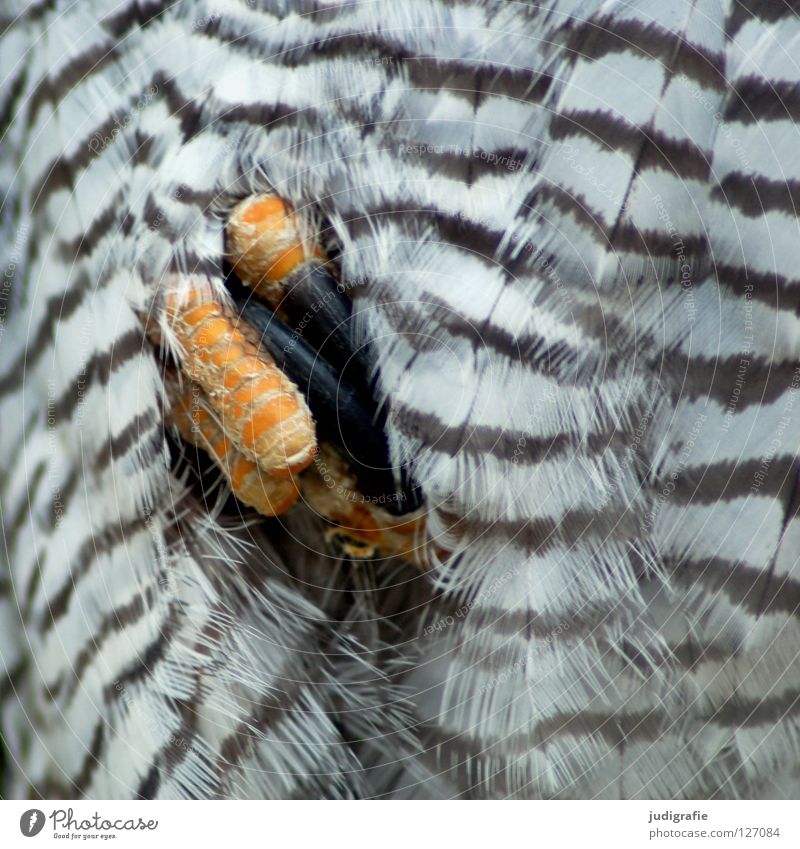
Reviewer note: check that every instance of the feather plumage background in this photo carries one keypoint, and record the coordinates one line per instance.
(570, 233)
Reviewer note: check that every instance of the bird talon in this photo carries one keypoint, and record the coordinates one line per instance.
(240, 401)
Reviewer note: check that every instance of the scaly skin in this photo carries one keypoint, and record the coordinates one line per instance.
(258, 407)
(190, 412)
(267, 243)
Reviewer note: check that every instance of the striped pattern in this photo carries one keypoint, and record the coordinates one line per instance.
(570, 231)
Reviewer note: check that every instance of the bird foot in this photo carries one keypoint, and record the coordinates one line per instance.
(288, 414)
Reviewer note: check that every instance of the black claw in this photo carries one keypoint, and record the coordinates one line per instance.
(318, 309)
(344, 410)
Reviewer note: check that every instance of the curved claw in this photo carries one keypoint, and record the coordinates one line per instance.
(347, 416)
(316, 303)
(274, 251)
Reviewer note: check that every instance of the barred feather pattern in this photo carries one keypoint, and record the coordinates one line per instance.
(571, 237)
